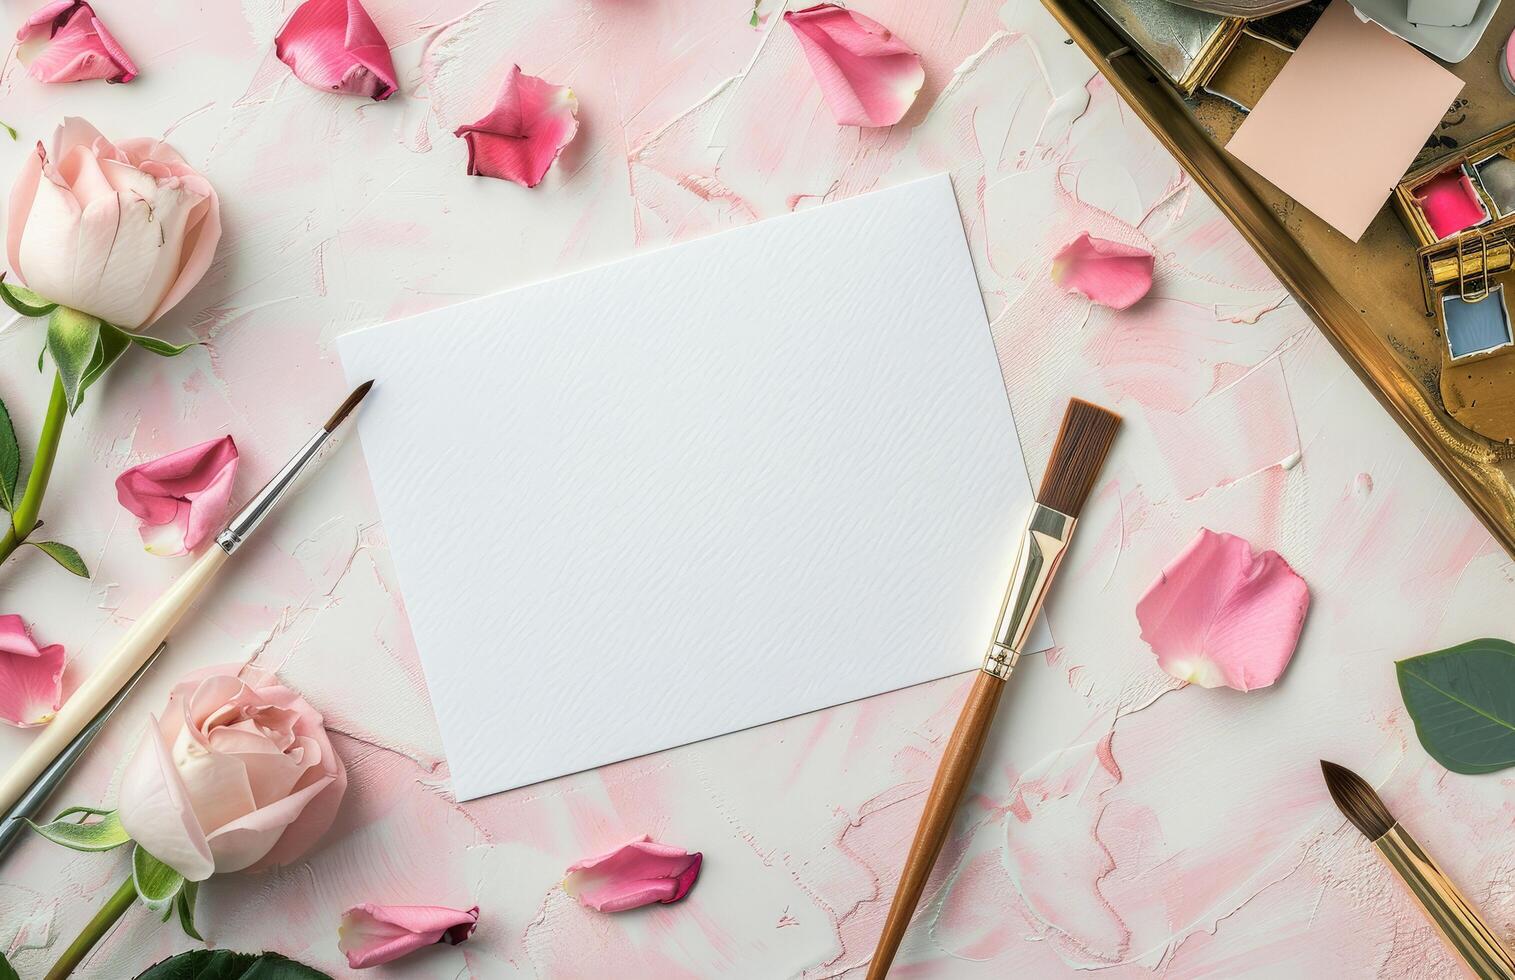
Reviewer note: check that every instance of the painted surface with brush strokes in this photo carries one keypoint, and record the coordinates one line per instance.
(1116, 824)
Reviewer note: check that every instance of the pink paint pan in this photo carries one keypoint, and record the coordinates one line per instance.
(1450, 202)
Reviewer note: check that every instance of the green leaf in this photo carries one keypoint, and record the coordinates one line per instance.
(113, 343)
(12, 130)
(1462, 700)
(71, 339)
(87, 811)
(185, 905)
(157, 884)
(223, 964)
(63, 555)
(10, 460)
(23, 300)
(100, 835)
(7, 972)
(160, 347)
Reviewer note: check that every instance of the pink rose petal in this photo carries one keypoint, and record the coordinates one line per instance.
(181, 498)
(31, 677)
(1220, 615)
(65, 42)
(531, 122)
(1110, 273)
(867, 76)
(373, 934)
(635, 874)
(335, 46)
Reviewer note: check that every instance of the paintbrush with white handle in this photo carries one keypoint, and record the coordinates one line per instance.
(153, 626)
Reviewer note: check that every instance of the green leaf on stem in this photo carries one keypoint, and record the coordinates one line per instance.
(72, 338)
(100, 835)
(10, 460)
(185, 905)
(7, 972)
(160, 347)
(157, 884)
(23, 300)
(1462, 700)
(63, 555)
(113, 343)
(223, 964)
(85, 811)
(9, 129)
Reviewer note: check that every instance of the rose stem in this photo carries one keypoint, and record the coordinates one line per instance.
(95, 930)
(24, 520)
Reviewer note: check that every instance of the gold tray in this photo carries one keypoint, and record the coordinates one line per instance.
(1366, 298)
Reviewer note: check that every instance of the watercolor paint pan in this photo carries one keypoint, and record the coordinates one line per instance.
(1462, 196)
(1183, 44)
(1478, 328)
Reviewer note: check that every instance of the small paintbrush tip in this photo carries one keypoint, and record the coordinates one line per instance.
(1082, 444)
(345, 409)
(1357, 800)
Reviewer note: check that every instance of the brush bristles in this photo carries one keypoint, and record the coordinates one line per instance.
(1357, 801)
(1082, 444)
(345, 409)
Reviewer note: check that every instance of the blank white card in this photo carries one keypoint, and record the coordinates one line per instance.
(697, 490)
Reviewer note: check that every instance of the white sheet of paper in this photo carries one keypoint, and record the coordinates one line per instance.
(700, 489)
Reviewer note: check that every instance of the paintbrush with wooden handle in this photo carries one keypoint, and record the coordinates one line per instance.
(152, 627)
(1080, 451)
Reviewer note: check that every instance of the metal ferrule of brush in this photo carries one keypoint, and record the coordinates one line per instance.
(249, 517)
(1041, 549)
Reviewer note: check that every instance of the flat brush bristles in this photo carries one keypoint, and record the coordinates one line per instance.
(1357, 801)
(345, 409)
(1080, 450)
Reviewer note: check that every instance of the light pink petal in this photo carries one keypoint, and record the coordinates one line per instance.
(1110, 273)
(156, 812)
(77, 47)
(181, 498)
(867, 76)
(31, 678)
(373, 934)
(245, 841)
(23, 192)
(1220, 615)
(635, 874)
(334, 45)
(531, 122)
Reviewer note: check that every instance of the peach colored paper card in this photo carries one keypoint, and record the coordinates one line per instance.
(1342, 122)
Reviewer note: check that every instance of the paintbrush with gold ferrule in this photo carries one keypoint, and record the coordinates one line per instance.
(1463, 930)
(1077, 456)
(153, 626)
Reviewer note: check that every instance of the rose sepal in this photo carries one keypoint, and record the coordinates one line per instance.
(23, 300)
(84, 347)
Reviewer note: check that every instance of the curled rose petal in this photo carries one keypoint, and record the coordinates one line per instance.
(181, 498)
(65, 42)
(531, 122)
(633, 875)
(373, 934)
(1110, 273)
(335, 46)
(31, 677)
(1221, 615)
(867, 76)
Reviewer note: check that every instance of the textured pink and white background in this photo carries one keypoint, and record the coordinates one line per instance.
(1117, 824)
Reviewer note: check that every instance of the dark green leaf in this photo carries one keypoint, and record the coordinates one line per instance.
(10, 460)
(223, 964)
(1462, 700)
(71, 339)
(160, 347)
(23, 300)
(7, 972)
(101, 835)
(157, 883)
(185, 904)
(63, 555)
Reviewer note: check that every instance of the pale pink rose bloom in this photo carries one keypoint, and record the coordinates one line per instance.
(1111, 274)
(532, 120)
(181, 498)
(372, 934)
(31, 677)
(335, 46)
(1220, 615)
(868, 76)
(65, 42)
(118, 230)
(634, 874)
(239, 774)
